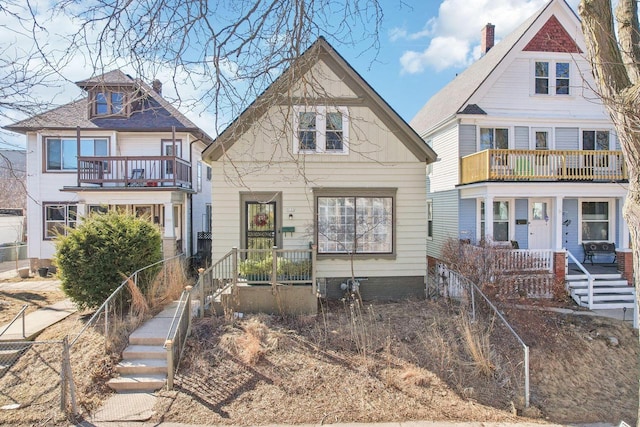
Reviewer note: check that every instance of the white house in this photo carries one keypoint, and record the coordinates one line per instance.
(321, 159)
(527, 152)
(123, 146)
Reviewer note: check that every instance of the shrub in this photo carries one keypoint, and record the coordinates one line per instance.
(95, 257)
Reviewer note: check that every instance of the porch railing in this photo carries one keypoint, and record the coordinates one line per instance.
(134, 171)
(517, 260)
(255, 267)
(560, 165)
(590, 279)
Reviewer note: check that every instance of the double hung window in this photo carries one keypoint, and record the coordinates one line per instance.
(551, 78)
(500, 221)
(320, 129)
(595, 221)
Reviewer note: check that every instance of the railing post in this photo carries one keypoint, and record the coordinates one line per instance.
(168, 344)
(274, 266)
(188, 308)
(201, 287)
(314, 249)
(106, 323)
(526, 377)
(234, 250)
(24, 328)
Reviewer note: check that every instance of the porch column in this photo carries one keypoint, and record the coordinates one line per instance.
(623, 228)
(558, 236)
(82, 210)
(169, 236)
(488, 217)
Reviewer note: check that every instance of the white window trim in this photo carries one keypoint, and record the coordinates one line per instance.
(612, 218)
(612, 140)
(321, 129)
(510, 134)
(551, 77)
(45, 151)
(532, 137)
(512, 216)
(67, 220)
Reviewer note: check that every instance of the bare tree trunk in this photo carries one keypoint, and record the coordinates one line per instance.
(615, 65)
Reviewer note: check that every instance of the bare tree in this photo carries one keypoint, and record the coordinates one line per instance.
(615, 62)
(234, 47)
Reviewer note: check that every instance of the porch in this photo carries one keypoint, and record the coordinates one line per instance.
(548, 165)
(260, 280)
(134, 171)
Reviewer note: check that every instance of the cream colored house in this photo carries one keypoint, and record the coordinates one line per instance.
(321, 160)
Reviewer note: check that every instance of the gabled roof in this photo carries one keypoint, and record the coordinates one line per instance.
(453, 98)
(154, 113)
(277, 94)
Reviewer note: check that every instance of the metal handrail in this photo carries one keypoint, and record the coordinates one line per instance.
(590, 279)
(20, 313)
(177, 335)
(105, 305)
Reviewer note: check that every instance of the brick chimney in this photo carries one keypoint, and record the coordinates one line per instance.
(487, 37)
(156, 85)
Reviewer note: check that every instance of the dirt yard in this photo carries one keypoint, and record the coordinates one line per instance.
(401, 361)
(415, 360)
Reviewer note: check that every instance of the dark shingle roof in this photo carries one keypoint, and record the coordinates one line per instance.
(151, 112)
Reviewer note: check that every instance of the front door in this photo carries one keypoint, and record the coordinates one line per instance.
(539, 224)
(260, 225)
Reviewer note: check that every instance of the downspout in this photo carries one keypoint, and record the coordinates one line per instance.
(192, 240)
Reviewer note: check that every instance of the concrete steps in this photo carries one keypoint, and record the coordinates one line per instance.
(143, 367)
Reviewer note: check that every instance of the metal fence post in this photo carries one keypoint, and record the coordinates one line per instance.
(201, 287)
(526, 376)
(274, 267)
(169, 346)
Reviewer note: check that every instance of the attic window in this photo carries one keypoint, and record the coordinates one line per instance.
(109, 103)
(551, 78)
(321, 130)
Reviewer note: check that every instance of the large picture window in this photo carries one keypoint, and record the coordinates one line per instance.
(595, 221)
(321, 130)
(355, 224)
(58, 218)
(62, 153)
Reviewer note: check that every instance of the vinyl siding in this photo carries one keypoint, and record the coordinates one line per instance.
(468, 224)
(446, 170)
(521, 137)
(567, 139)
(521, 232)
(468, 143)
(445, 220)
(297, 198)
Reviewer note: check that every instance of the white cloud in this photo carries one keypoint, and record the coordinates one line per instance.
(442, 53)
(459, 23)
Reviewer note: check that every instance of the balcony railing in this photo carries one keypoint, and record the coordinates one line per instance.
(554, 165)
(134, 171)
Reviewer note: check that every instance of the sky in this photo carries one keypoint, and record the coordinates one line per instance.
(423, 45)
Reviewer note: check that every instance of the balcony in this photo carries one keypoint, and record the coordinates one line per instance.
(134, 171)
(543, 165)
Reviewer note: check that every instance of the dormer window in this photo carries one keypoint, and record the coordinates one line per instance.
(107, 103)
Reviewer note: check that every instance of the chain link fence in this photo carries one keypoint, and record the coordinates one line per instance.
(36, 376)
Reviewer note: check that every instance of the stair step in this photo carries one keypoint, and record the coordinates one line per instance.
(137, 382)
(595, 276)
(626, 290)
(142, 366)
(147, 340)
(144, 352)
(599, 284)
(608, 297)
(612, 305)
